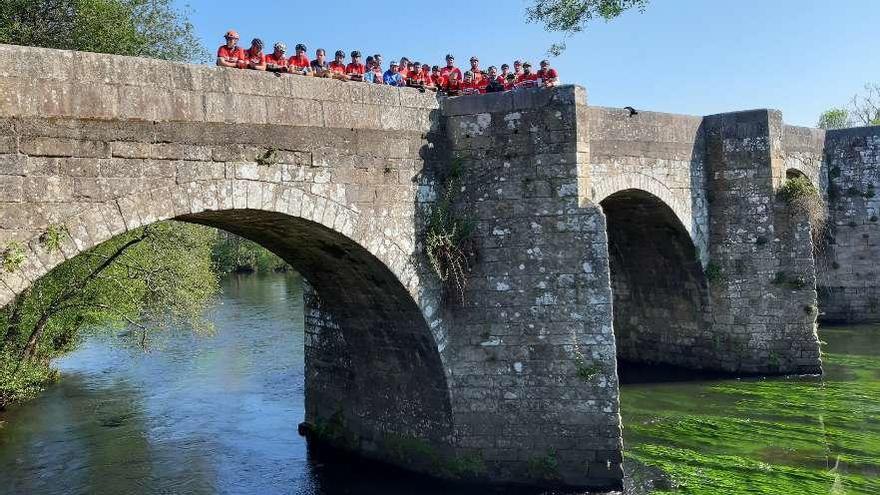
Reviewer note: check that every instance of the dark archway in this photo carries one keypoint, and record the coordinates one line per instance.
(659, 288)
(374, 376)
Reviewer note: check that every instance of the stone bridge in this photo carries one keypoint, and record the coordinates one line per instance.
(655, 238)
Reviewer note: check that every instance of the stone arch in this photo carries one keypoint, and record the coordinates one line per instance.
(681, 208)
(374, 346)
(659, 288)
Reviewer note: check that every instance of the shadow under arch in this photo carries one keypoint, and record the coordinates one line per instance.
(374, 373)
(660, 292)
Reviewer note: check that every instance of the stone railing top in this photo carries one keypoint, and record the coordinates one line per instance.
(44, 82)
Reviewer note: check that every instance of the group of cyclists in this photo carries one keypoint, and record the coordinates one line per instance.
(448, 79)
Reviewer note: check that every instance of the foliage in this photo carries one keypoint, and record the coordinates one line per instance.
(544, 467)
(572, 16)
(146, 28)
(234, 254)
(20, 382)
(714, 274)
(147, 278)
(864, 109)
(585, 372)
(268, 158)
(448, 236)
(12, 257)
(53, 237)
(834, 118)
(801, 195)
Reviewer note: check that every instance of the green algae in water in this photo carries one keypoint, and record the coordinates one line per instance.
(771, 436)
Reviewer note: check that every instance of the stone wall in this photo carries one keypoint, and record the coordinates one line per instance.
(761, 268)
(849, 280)
(533, 347)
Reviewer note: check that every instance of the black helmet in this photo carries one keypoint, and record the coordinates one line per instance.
(450, 56)
(258, 42)
(340, 53)
(355, 54)
(300, 46)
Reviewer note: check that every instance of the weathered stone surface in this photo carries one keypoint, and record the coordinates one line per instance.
(599, 235)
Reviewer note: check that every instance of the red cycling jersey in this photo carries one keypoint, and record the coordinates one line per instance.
(299, 61)
(231, 55)
(526, 80)
(470, 88)
(355, 69)
(276, 63)
(337, 67)
(445, 71)
(254, 57)
(548, 74)
(452, 87)
(482, 83)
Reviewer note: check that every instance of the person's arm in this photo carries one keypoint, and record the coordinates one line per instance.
(261, 65)
(222, 62)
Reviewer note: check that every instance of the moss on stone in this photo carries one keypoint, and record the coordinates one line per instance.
(544, 467)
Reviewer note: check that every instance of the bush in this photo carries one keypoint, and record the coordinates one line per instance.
(19, 383)
(802, 196)
(448, 242)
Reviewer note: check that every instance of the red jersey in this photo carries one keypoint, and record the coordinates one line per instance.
(548, 74)
(452, 87)
(337, 67)
(231, 55)
(276, 63)
(470, 88)
(254, 57)
(415, 79)
(299, 61)
(355, 69)
(482, 83)
(438, 81)
(445, 71)
(403, 72)
(526, 80)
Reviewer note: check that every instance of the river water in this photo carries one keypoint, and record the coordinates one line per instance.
(218, 414)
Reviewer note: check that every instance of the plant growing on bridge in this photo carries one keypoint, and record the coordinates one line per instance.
(802, 196)
(268, 158)
(53, 237)
(544, 467)
(13, 256)
(448, 242)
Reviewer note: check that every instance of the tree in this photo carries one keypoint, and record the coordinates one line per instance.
(835, 118)
(148, 278)
(145, 28)
(864, 109)
(572, 16)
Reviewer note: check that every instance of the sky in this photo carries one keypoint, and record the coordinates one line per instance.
(697, 57)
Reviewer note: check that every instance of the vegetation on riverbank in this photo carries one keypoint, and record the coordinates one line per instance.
(234, 254)
(144, 279)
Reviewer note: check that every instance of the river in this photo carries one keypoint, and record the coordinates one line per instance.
(218, 413)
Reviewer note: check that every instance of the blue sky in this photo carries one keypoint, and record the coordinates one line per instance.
(682, 56)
